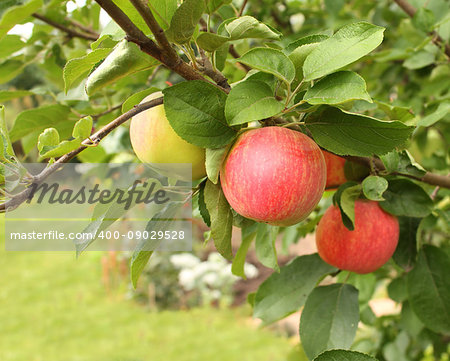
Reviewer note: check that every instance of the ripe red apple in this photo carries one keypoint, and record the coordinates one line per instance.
(154, 140)
(273, 175)
(367, 247)
(335, 170)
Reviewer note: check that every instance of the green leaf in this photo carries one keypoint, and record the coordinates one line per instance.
(163, 11)
(284, 293)
(127, 7)
(248, 27)
(347, 45)
(374, 187)
(48, 138)
(221, 218)
(137, 265)
(79, 67)
(110, 35)
(429, 289)
(213, 5)
(202, 205)
(195, 110)
(251, 100)
(442, 110)
(38, 119)
(345, 199)
(9, 69)
(124, 60)
(17, 14)
(407, 165)
(419, 60)
(344, 355)
(214, 160)
(248, 233)
(210, 41)
(406, 252)
(299, 51)
(66, 146)
(8, 95)
(5, 142)
(397, 290)
(306, 40)
(270, 61)
(347, 133)
(366, 284)
(424, 19)
(266, 252)
(405, 198)
(394, 112)
(185, 20)
(136, 98)
(83, 128)
(49, 145)
(329, 319)
(338, 88)
(145, 249)
(10, 44)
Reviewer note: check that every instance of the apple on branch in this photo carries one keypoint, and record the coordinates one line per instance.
(363, 250)
(274, 175)
(154, 140)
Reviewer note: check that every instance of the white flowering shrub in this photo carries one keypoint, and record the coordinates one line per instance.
(212, 279)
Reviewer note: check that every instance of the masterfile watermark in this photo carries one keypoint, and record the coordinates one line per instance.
(96, 195)
(101, 207)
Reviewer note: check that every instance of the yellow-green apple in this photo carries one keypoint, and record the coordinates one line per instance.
(335, 170)
(273, 175)
(154, 140)
(365, 249)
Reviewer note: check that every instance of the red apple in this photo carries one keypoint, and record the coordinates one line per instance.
(274, 175)
(335, 170)
(367, 247)
(154, 141)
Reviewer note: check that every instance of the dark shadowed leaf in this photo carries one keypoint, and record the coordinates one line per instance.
(329, 319)
(405, 198)
(429, 289)
(284, 293)
(221, 218)
(195, 110)
(347, 133)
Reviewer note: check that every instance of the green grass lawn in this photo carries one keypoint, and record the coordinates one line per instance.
(54, 308)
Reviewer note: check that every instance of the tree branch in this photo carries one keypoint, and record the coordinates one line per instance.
(83, 27)
(411, 11)
(207, 68)
(93, 140)
(429, 178)
(243, 7)
(70, 32)
(157, 31)
(146, 44)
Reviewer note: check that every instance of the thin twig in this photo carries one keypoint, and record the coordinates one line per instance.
(158, 32)
(70, 32)
(243, 7)
(207, 68)
(429, 178)
(83, 27)
(93, 140)
(107, 111)
(147, 45)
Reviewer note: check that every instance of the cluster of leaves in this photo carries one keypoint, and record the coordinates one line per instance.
(326, 82)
